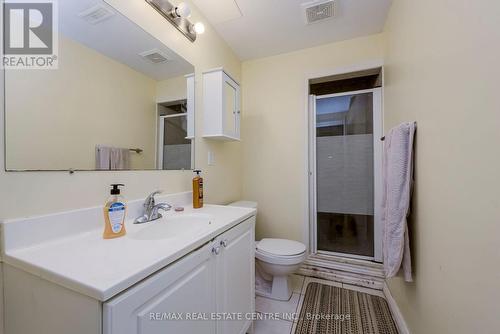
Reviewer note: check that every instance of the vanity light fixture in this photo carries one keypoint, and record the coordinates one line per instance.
(182, 10)
(178, 16)
(198, 27)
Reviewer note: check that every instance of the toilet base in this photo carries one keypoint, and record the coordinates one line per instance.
(280, 288)
(274, 281)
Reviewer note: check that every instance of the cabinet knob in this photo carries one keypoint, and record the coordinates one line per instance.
(216, 250)
(224, 243)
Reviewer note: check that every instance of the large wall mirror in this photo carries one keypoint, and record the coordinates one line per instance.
(119, 100)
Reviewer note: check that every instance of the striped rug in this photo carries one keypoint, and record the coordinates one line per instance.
(331, 310)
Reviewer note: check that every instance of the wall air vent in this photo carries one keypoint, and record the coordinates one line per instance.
(154, 56)
(317, 11)
(96, 14)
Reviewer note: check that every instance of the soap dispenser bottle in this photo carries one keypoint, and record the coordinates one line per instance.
(114, 214)
(197, 190)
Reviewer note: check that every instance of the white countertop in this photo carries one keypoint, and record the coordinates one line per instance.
(99, 268)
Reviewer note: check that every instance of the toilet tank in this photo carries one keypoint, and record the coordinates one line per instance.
(244, 204)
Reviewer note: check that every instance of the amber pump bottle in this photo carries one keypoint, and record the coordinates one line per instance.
(197, 190)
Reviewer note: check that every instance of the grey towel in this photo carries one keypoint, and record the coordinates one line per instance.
(398, 179)
(112, 158)
(102, 157)
(120, 158)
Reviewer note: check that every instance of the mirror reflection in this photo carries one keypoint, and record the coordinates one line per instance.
(118, 101)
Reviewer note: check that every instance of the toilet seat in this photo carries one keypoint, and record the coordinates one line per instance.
(276, 259)
(281, 247)
(280, 251)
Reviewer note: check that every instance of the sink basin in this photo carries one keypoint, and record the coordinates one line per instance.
(173, 226)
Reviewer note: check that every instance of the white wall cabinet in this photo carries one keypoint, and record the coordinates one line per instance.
(221, 106)
(190, 99)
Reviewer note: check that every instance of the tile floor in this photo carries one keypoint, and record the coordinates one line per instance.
(284, 312)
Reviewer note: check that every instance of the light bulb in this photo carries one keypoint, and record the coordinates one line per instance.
(183, 10)
(199, 27)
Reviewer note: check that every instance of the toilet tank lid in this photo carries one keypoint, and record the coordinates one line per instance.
(281, 247)
(244, 204)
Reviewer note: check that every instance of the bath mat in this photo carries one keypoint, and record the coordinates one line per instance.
(331, 310)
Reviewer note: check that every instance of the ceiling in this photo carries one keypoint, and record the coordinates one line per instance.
(260, 28)
(120, 39)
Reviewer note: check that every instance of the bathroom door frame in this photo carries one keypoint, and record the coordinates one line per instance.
(377, 173)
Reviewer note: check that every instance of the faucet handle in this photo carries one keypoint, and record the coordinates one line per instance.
(164, 206)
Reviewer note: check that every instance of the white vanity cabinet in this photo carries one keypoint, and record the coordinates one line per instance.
(235, 277)
(221, 106)
(215, 280)
(185, 287)
(208, 289)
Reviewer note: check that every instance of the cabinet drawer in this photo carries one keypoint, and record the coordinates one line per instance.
(184, 287)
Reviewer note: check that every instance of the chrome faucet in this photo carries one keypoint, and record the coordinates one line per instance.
(151, 209)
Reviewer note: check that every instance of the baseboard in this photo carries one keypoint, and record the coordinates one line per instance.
(342, 277)
(396, 313)
(349, 271)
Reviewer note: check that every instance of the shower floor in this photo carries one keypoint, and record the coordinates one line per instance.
(345, 233)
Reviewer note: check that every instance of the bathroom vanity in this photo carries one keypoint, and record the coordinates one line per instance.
(189, 272)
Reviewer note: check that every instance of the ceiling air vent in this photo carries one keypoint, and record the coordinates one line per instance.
(318, 10)
(96, 14)
(154, 56)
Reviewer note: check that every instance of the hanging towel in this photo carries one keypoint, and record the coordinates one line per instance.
(102, 157)
(120, 158)
(398, 180)
(112, 158)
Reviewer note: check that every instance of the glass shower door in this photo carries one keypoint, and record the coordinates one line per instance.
(345, 173)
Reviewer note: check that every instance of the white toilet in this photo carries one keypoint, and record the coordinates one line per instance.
(276, 260)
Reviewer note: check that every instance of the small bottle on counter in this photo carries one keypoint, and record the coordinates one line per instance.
(197, 190)
(115, 210)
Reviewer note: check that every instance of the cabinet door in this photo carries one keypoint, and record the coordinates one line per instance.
(231, 100)
(185, 287)
(235, 274)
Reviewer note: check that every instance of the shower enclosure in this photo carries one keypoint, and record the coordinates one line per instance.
(344, 170)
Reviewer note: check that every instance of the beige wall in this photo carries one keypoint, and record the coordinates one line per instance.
(442, 70)
(95, 101)
(274, 129)
(172, 89)
(32, 193)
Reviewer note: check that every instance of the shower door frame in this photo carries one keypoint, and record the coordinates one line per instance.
(160, 133)
(377, 173)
